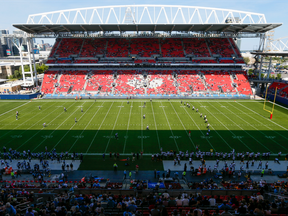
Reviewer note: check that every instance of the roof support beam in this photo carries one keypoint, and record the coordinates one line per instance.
(225, 28)
(245, 27)
(28, 28)
(192, 26)
(101, 28)
(83, 28)
(66, 28)
(137, 28)
(48, 28)
(155, 28)
(264, 28)
(209, 27)
(172, 28)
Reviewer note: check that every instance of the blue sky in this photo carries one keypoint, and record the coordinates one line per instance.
(17, 11)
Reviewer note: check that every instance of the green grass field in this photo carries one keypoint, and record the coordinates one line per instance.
(242, 125)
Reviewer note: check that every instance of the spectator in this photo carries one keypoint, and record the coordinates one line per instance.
(212, 201)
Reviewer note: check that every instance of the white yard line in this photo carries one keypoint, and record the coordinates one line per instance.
(41, 129)
(86, 126)
(155, 125)
(226, 127)
(99, 127)
(279, 105)
(71, 127)
(264, 117)
(113, 127)
(170, 127)
(29, 127)
(182, 125)
(15, 108)
(126, 137)
(260, 123)
(241, 127)
(204, 134)
(56, 128)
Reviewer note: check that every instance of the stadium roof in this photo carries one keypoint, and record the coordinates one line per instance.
(147, 18)
(229, 28)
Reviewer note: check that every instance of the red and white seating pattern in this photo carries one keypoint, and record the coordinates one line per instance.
(71, 78)
(216, 79)
(161, 82)
(49, 82)
(100, 78)
(190, 78)
(129, 82)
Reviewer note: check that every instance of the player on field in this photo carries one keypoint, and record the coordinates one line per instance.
(44, 125)
(75, 120)
(208, 130)
(189, 133)
(116, 136)
(144, 116)
(184, 103)
(144, 103)
(16, 117)
(204, 117)
(181, 101)
(147, 128)
(81, 109)
(39, 107)
(193, 108)
(206, 120)
(127, 102)
(65, 109)
(201, 115)
(17, 113)
(150, 99)
(197, 110)
(208, 125)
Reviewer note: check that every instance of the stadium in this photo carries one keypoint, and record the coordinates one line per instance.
(146, 110)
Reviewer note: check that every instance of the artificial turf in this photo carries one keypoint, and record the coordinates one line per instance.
(242, 125)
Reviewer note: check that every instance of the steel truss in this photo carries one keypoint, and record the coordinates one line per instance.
(147, 14)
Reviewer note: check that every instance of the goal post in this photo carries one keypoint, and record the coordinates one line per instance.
(264, 106)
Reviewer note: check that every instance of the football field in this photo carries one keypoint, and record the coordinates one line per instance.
(242, 125)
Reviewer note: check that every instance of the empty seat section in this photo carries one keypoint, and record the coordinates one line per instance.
(93, 47)
(69, 46)
(243, 84)
(279, 85)
(188, 80)
(196, 47)
(129, 82)
(100, 81)
(217, 79)
(49, 81)
(144, 47)
(172, 47)
(74, 79)
(117, 48)
(161, 82)
(85, 61)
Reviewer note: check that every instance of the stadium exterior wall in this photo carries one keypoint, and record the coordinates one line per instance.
(18, 96)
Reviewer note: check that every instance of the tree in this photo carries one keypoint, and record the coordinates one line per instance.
(246, 60)
(279, 76)
(250, 72)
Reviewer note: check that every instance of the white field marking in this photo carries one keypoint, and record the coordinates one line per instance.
(26, 121)
(183, 125)
(114, 126)
(203, 133)
(264, 118)
(162, 106)
(169, 126)
(255, 127)
(14, 108)
(155, 125)
(141, 130)
(241, 127)
(279, 105)
(227, 129)
(72, 127)
(56, 128)
(2, 119)
(86, 126)
(41, 129)
(121, 106)
(99, 127)
(126, 137)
